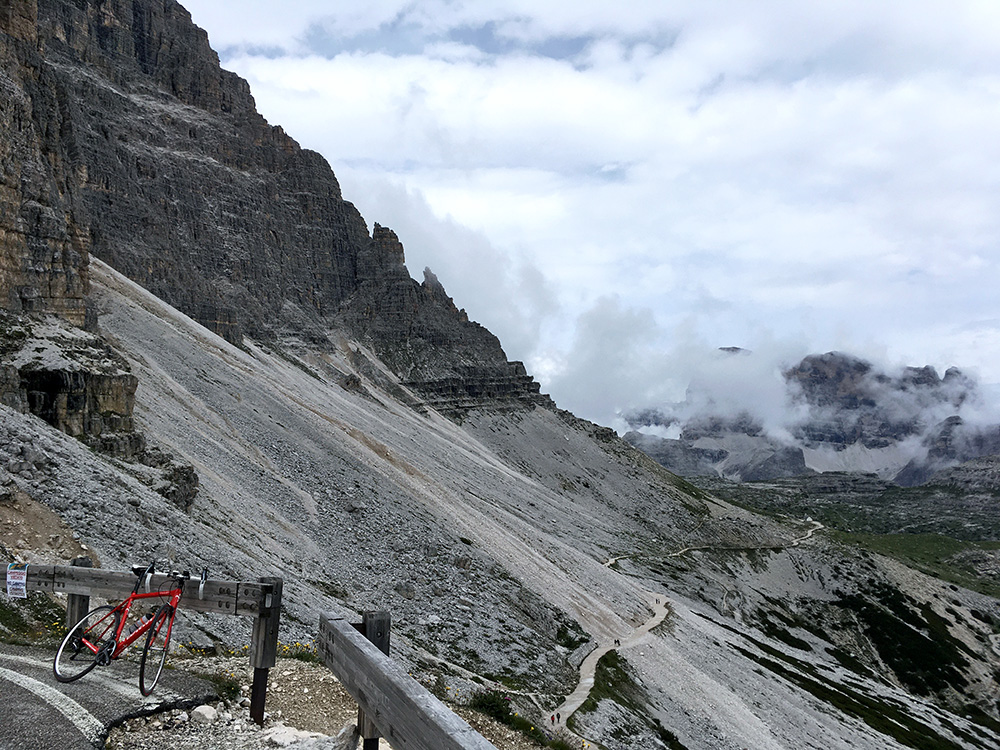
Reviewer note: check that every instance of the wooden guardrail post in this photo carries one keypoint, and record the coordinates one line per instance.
(375, 626)
(264, 644)
(405, 712)
(77, 605)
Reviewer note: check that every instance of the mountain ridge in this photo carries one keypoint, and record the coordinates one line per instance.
(160, 156)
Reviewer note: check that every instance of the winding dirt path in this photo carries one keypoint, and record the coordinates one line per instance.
(809, 534)
(816, 526)
(659, 604)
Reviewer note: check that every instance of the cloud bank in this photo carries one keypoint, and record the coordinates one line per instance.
(589, 178)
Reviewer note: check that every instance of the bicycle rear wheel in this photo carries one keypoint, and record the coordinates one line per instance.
(154, 653)
(92, 636)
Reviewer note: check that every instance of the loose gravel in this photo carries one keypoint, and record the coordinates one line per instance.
(307, 708)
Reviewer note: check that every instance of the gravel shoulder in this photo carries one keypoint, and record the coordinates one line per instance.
(306, 709)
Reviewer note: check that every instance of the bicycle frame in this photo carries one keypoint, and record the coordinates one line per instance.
(108, 637)
(123, 610)
(100, 636)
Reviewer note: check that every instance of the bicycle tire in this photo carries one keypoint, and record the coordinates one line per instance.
(154, 653)
(74, 658)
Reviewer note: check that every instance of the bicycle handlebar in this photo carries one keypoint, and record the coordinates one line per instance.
(145, 573)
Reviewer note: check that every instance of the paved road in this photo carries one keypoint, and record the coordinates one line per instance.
(36, 711)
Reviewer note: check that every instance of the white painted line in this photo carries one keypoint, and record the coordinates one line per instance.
(128, 691)
(81, 718)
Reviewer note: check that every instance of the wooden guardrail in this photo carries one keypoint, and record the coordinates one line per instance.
(260, 600)
(393, 704)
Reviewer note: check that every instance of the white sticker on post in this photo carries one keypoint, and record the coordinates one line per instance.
(17, 580)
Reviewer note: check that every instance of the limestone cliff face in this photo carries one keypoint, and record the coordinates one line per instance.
(188, 190)
(19, 19)
(75, 381)
(44, 240)
(124, 138)
(416, 329)
(852, 402)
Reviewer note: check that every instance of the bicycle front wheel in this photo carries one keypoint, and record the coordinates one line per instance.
(154, 653)
(79, 650)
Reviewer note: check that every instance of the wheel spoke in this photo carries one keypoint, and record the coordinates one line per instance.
(81, 649)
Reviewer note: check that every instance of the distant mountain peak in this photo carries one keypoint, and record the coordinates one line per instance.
(905, 423)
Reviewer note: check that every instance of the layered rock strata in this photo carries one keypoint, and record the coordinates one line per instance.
(455, 364)
(143, 151)
(71, 379)
(44, 237)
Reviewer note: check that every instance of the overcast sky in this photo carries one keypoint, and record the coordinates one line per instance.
(617, 189)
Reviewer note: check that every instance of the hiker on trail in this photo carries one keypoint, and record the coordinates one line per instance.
(558, 719)
(553, 718)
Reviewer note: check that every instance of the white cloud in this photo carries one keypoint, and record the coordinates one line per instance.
(823, 172)
(505, 288)
(614, 358)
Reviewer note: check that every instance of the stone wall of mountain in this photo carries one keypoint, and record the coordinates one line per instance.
(44, 237)
(70, 378)
(850, 401)
(123, 137)
(76, 382)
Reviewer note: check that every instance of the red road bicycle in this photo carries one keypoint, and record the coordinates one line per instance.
(102, 635)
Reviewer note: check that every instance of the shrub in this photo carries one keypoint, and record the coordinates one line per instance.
(493, 703)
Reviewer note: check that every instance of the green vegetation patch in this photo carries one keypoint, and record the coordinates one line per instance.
(306, 652)
(689, 489)
(866, 504)
(613, 682)
(921, 549)
(932, 554)
(498, 706)
(494, 703)
(779, 633)
(881, 716)
(976, 714)
(885, 717)
(226, 684)
(914, 641)
(37, 619)
(569, 634)
(12, 620)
